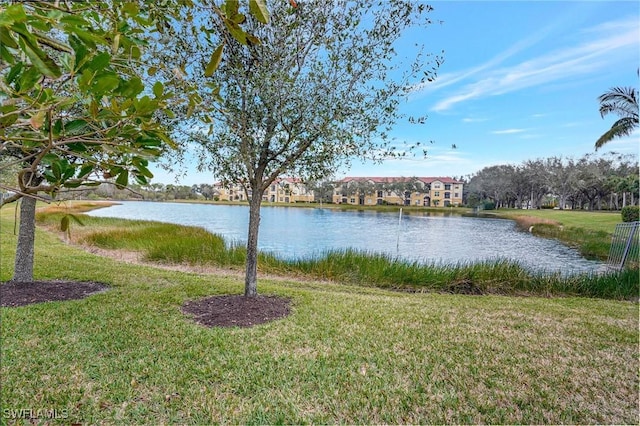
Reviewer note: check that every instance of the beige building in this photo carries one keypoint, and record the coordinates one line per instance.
(416, 191)
(282, 190)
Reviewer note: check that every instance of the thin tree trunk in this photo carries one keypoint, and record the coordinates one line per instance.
(251, 277)
(23, 270)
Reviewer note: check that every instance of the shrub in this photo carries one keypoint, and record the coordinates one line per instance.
(630, 213)
(489, 205)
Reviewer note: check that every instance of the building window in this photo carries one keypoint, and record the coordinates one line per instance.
(353, 201)
(447, 187)
(379, 194)
(437, 194)
(447, 195)
(456, 195)
(436, 186)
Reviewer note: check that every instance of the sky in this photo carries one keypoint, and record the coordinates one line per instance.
(520, 81)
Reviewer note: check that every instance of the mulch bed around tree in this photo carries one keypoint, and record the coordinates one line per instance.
(236, 310)
(14, 294)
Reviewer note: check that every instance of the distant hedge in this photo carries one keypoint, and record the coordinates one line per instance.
(630, 213)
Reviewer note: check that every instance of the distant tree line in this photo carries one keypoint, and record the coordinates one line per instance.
(150, 192)
(594, 183)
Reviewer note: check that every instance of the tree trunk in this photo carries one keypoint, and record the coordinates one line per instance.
(23, 270)
(251, 277)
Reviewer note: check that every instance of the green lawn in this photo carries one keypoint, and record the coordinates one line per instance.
(589, 220)
(345, 355)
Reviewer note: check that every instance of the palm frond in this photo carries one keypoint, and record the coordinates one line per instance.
(622, 101)
(623, 127)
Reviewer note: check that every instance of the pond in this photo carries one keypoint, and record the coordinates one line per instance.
(294, 232)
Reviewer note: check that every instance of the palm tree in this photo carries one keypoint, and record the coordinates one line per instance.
(622, 101)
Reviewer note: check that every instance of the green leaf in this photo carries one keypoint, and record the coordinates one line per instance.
(77, 147)
(123, 179)
(13, 13)
(75, 126)
(158, 88)
(57, 128)
(87, 38)
(14, 72)
(39, 59)
(131, 9)
(6, 55)
(38, 24)
(145, 105)
(85, 170)
(74, 20)
(135, 52)
(104, 83)
(238, 18)
(259, 10)
(231, 7)
(6, 39)
(28, 79)
(214, 62)
(56, 170)
(74, 184)
(253, 39)
(131, 88)
(67, 61)
(235, 30)
(8, 119)
(142, 180)
(99, 62)
(145, 141)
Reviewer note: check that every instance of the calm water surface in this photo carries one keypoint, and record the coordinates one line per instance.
(291, 232)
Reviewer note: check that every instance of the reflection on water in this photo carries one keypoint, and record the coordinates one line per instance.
(291, 232)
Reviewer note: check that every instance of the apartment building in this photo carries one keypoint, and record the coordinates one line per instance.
(288, 190)
(282, 190)
(415, 191)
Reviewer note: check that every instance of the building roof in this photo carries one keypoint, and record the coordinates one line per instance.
(392, 179)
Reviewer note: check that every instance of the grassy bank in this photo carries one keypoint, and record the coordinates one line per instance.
(588, 231)
(345, 354)
(174, 244)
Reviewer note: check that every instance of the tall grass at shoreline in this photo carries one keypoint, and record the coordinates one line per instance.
(177, 244)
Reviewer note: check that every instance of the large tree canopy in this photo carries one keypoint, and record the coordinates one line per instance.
(321, 83)
(75, 108)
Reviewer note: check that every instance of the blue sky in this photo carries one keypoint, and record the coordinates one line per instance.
(520, 81)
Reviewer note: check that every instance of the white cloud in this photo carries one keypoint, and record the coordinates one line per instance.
(508, 131)
(590, 56)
